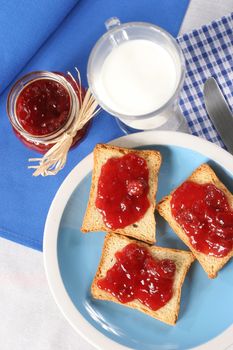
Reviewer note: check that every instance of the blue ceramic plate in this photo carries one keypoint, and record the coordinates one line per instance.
(71, 259)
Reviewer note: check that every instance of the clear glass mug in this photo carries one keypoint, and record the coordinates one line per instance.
(168, 116)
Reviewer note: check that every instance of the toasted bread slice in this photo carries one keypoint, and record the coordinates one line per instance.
(169, 312)
(144, 229)
(202, 175)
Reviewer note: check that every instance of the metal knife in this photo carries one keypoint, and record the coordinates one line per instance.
(219, 112)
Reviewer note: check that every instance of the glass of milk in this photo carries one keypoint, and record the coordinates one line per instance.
(136, 71)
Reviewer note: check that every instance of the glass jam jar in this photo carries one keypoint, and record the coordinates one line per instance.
(42, 106)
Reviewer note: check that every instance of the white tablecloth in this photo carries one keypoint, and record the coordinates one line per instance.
(30, 319)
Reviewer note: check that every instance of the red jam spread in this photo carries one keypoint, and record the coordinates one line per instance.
(122, 190)
(43, 107)
(206, 217)
(137, 275)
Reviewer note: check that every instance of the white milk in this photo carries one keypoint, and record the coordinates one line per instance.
(136, 78)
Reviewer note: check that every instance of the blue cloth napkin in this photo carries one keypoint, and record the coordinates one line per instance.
(208, 52)
(25, 25)
(25, 200)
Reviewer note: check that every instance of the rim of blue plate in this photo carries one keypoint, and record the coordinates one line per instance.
(57, 288)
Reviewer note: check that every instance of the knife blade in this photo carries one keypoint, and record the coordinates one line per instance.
(219, 112)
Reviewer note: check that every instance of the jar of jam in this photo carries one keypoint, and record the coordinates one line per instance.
(42, 106)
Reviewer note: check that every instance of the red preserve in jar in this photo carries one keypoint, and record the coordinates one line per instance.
(42, 106)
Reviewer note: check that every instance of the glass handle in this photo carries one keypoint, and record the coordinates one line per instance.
(118, 35)
(112, 23)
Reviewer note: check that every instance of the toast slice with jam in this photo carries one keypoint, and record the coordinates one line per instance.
(130, 269)
(212, 240)
(123, 191)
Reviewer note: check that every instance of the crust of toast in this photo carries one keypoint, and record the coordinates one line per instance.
(144, 229)
(169, 312)
(203, 174)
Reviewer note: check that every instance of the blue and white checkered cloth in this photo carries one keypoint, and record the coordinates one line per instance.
(208, 51)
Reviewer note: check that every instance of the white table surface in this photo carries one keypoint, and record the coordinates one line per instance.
(30, 319)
